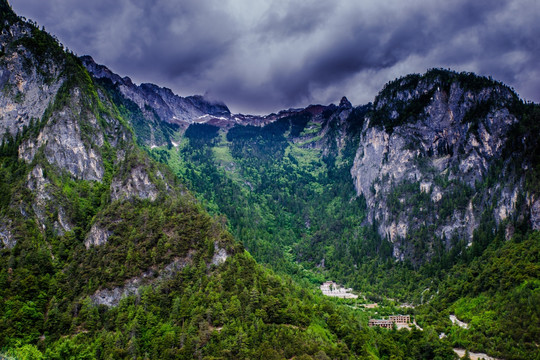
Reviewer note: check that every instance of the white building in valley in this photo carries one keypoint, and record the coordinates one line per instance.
(330, 288)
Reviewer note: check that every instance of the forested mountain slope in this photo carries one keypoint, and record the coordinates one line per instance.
(497, 295)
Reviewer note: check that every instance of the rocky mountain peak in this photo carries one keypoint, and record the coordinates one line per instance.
(161, 109)
(101, 71)
(168, 105)
(345, 103)
(407, 97)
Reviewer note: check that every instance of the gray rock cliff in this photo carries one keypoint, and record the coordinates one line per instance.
(63, 145)
(27, 87)
(424, 157)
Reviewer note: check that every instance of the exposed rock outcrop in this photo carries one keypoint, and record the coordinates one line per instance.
(6, 236)
(137, 184)
(26, 92)
(534, 205)
(423, 152)
(62, 142)
(112, 297)
(41, 189)
(44, 201)
(96, 236)
(220, 255)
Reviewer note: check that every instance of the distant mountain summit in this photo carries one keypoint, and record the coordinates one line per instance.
(345, 103)
(157, 111)
(169, 106)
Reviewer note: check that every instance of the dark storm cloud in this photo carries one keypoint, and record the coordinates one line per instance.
(261, 56)
(287, 20)
(161, 40)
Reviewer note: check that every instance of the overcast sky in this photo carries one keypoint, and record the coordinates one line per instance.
(260, 56)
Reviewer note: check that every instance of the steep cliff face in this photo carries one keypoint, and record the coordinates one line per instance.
(64, 144)
(45, 202)
(430, 160)
(28, 82)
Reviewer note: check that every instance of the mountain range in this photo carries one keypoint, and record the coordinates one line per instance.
(136, 223)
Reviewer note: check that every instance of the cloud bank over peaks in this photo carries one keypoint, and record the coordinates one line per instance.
(263, 56)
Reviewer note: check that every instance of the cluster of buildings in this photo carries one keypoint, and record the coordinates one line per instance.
(330, 288)
(394, 319)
